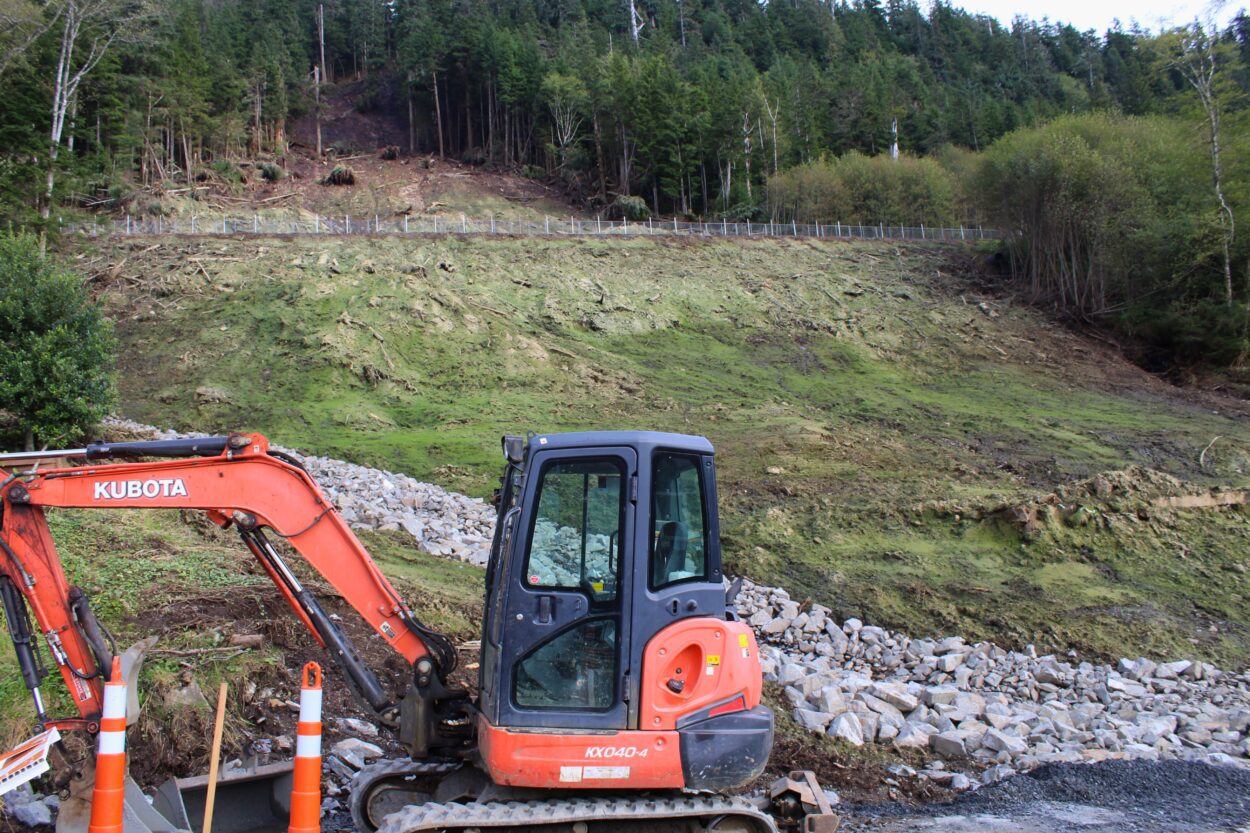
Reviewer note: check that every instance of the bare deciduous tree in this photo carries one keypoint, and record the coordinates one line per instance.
(636, 21)
(566, 97)
(88, 29)
(1193, 51)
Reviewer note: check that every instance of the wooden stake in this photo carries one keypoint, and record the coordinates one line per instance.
(214, 760)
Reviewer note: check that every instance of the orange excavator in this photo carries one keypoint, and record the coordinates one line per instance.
(617, 687)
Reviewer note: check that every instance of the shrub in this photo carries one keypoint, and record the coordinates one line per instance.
(1112, 219)
(389, 153)
(864, 190)
(340, 175)
(271, 172)
(626, 207)
(56, 348)
(228, 172)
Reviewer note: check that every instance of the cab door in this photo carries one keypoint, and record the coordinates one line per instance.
(561, 631)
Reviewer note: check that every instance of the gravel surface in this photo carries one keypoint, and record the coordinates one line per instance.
(1108, 797)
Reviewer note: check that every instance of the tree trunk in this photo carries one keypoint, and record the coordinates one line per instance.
(438, 113)
(317, 89)
(412, 130)
(603, 185)
(321, 38)
(29, 441)
(468, 113)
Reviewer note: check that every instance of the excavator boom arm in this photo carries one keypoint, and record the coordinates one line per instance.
(241, 483)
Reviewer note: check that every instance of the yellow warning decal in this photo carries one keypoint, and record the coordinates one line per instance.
(598, 585)
(713, 659)
(744, 641)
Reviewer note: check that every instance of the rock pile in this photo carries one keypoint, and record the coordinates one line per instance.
(442, 522)
(982, 707)
(556, 556)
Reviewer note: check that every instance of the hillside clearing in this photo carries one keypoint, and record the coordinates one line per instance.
(878, 416)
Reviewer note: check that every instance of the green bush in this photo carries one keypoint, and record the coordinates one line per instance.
(340, 175)
(865, 190)
(1112, 219)
(271, 172)
(56, 348)
(629, 208)
(228, 172)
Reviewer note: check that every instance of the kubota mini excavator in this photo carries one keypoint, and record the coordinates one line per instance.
(617, 688)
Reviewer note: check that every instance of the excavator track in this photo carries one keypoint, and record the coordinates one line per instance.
(380, 789)
(684, 814)
(396, 796)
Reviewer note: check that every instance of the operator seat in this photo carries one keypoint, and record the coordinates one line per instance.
(670, 552)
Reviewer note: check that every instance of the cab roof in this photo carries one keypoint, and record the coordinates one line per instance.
(644, 442)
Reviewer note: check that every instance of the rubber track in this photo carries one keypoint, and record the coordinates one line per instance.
(536, 814)
(364, 780)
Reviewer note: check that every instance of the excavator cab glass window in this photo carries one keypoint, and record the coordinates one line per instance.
(575, 670)
(575, 543)
(678, 521)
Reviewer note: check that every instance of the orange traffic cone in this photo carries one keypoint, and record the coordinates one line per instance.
(108, 798)
(306, 783)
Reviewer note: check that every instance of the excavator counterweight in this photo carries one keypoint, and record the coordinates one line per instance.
(612, 661)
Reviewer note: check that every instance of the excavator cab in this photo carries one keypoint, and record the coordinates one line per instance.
(608, 636)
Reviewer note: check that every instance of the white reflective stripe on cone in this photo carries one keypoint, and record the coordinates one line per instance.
(112, 743)
(308, 746)
(310, 699)
(114, 701)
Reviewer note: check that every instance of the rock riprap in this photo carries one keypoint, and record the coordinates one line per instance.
(986, 708)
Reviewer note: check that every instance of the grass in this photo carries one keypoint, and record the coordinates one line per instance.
(866, 375)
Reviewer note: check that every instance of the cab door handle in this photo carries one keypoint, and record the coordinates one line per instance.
(546, 605)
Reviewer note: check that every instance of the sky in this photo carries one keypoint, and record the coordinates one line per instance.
(1098, 14)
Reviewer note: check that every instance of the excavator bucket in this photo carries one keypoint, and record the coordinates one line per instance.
(253, 799)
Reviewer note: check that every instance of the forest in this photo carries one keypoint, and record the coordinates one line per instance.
(1115, 161)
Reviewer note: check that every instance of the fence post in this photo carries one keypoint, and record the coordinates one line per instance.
(546, 224)
(922, 231)
(128, 224)
(492, 222)
(223, 226)
(405, 224)
(724, 227)
(436, 224)
(464, 225)
(794, 226)
(598, 225)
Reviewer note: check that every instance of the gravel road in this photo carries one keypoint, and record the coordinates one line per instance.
(1108, 797)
